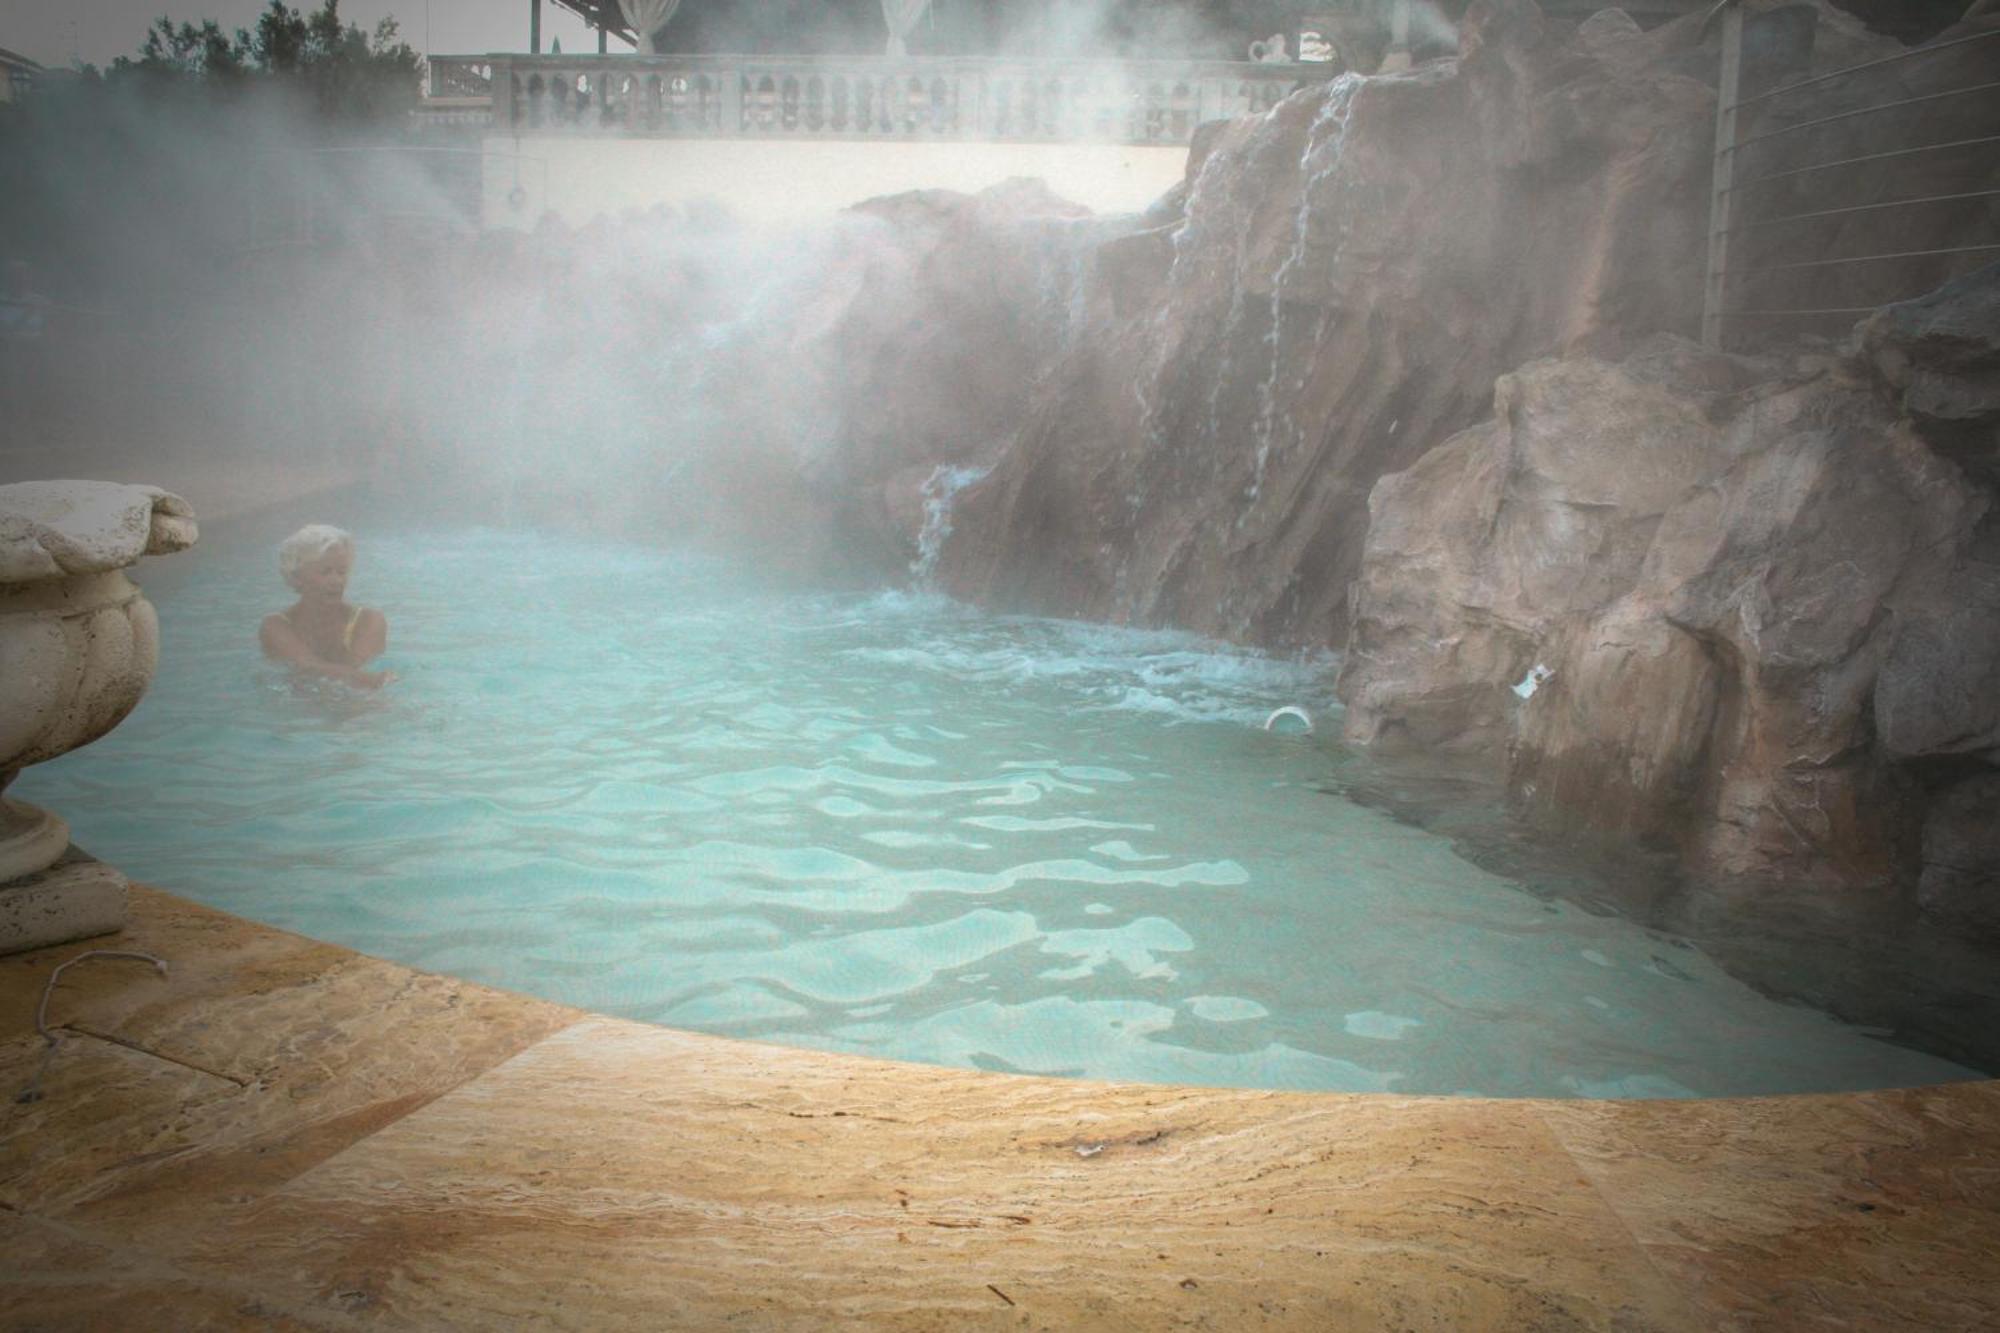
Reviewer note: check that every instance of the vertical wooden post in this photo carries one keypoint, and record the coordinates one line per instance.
(534, 27)
(1715, 288)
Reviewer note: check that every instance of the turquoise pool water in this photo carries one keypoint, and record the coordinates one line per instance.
(625, 779)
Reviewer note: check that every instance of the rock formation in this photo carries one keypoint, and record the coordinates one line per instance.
(1330, 295)
(1763, 585)
(913, 344)
(1767, 604)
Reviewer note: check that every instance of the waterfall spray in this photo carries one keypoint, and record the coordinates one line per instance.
(1326, 145)
(940, 489)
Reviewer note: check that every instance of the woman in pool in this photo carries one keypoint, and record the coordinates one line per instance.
(321, 634)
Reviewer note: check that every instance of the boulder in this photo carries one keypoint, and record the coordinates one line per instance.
(1749, 607)
(1482, 558)
(1940, 354)
(1938, 694)
(1942, 350)
(1961, 851)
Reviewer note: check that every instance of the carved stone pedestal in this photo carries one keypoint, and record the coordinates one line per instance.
(73, 899)
(78, 644)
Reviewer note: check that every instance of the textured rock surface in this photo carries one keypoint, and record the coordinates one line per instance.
(1342, 281)
(1940, 354)
(912, 338)
(1939, 691)
(1961, 879)
(1942, 351)
(1751, 581)
(284, 1135)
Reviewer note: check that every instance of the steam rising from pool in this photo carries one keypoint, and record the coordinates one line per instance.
(624, 779)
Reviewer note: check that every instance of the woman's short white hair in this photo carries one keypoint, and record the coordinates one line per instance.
(307, 545)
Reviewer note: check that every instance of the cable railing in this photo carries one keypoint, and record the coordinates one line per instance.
(1783, 253)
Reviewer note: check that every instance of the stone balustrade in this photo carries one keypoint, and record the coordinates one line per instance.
(856, 97)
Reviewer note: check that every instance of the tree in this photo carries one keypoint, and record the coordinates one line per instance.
(348, 76)
(188, 51)
(137, 185)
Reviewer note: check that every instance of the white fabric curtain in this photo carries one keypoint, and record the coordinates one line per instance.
(902, 16)
(647, 17)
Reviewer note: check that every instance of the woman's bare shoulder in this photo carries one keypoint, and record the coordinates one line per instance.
(279, 637)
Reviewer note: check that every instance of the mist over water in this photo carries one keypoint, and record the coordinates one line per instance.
(623, 771)
(647, 783)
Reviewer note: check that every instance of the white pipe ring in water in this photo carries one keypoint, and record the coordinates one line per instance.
(1289, 710)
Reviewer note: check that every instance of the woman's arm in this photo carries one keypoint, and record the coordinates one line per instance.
(282, 642)
(371, 636)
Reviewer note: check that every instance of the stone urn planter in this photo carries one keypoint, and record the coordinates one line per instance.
(78, 644)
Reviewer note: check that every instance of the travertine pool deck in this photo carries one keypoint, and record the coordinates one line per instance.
(285, 1134)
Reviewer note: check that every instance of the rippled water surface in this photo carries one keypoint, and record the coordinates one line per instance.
(622, 779)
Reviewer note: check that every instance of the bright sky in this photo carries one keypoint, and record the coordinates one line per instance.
(56, 32)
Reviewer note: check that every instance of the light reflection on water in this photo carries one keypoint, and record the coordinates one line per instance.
(620, 779)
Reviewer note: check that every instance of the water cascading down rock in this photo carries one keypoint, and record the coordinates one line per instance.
(1766, 590)
(1329, 295)
(78, 645)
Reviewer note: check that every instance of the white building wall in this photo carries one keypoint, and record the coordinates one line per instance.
(787, 181)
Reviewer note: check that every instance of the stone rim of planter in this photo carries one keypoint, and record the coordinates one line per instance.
(63, 547)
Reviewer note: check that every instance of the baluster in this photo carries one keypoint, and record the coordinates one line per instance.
(788, 102)
(815, 116)
(730, 89)
(975, 107)
(943, 115)
(506, 100)
(763, 105)
(837, 98)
